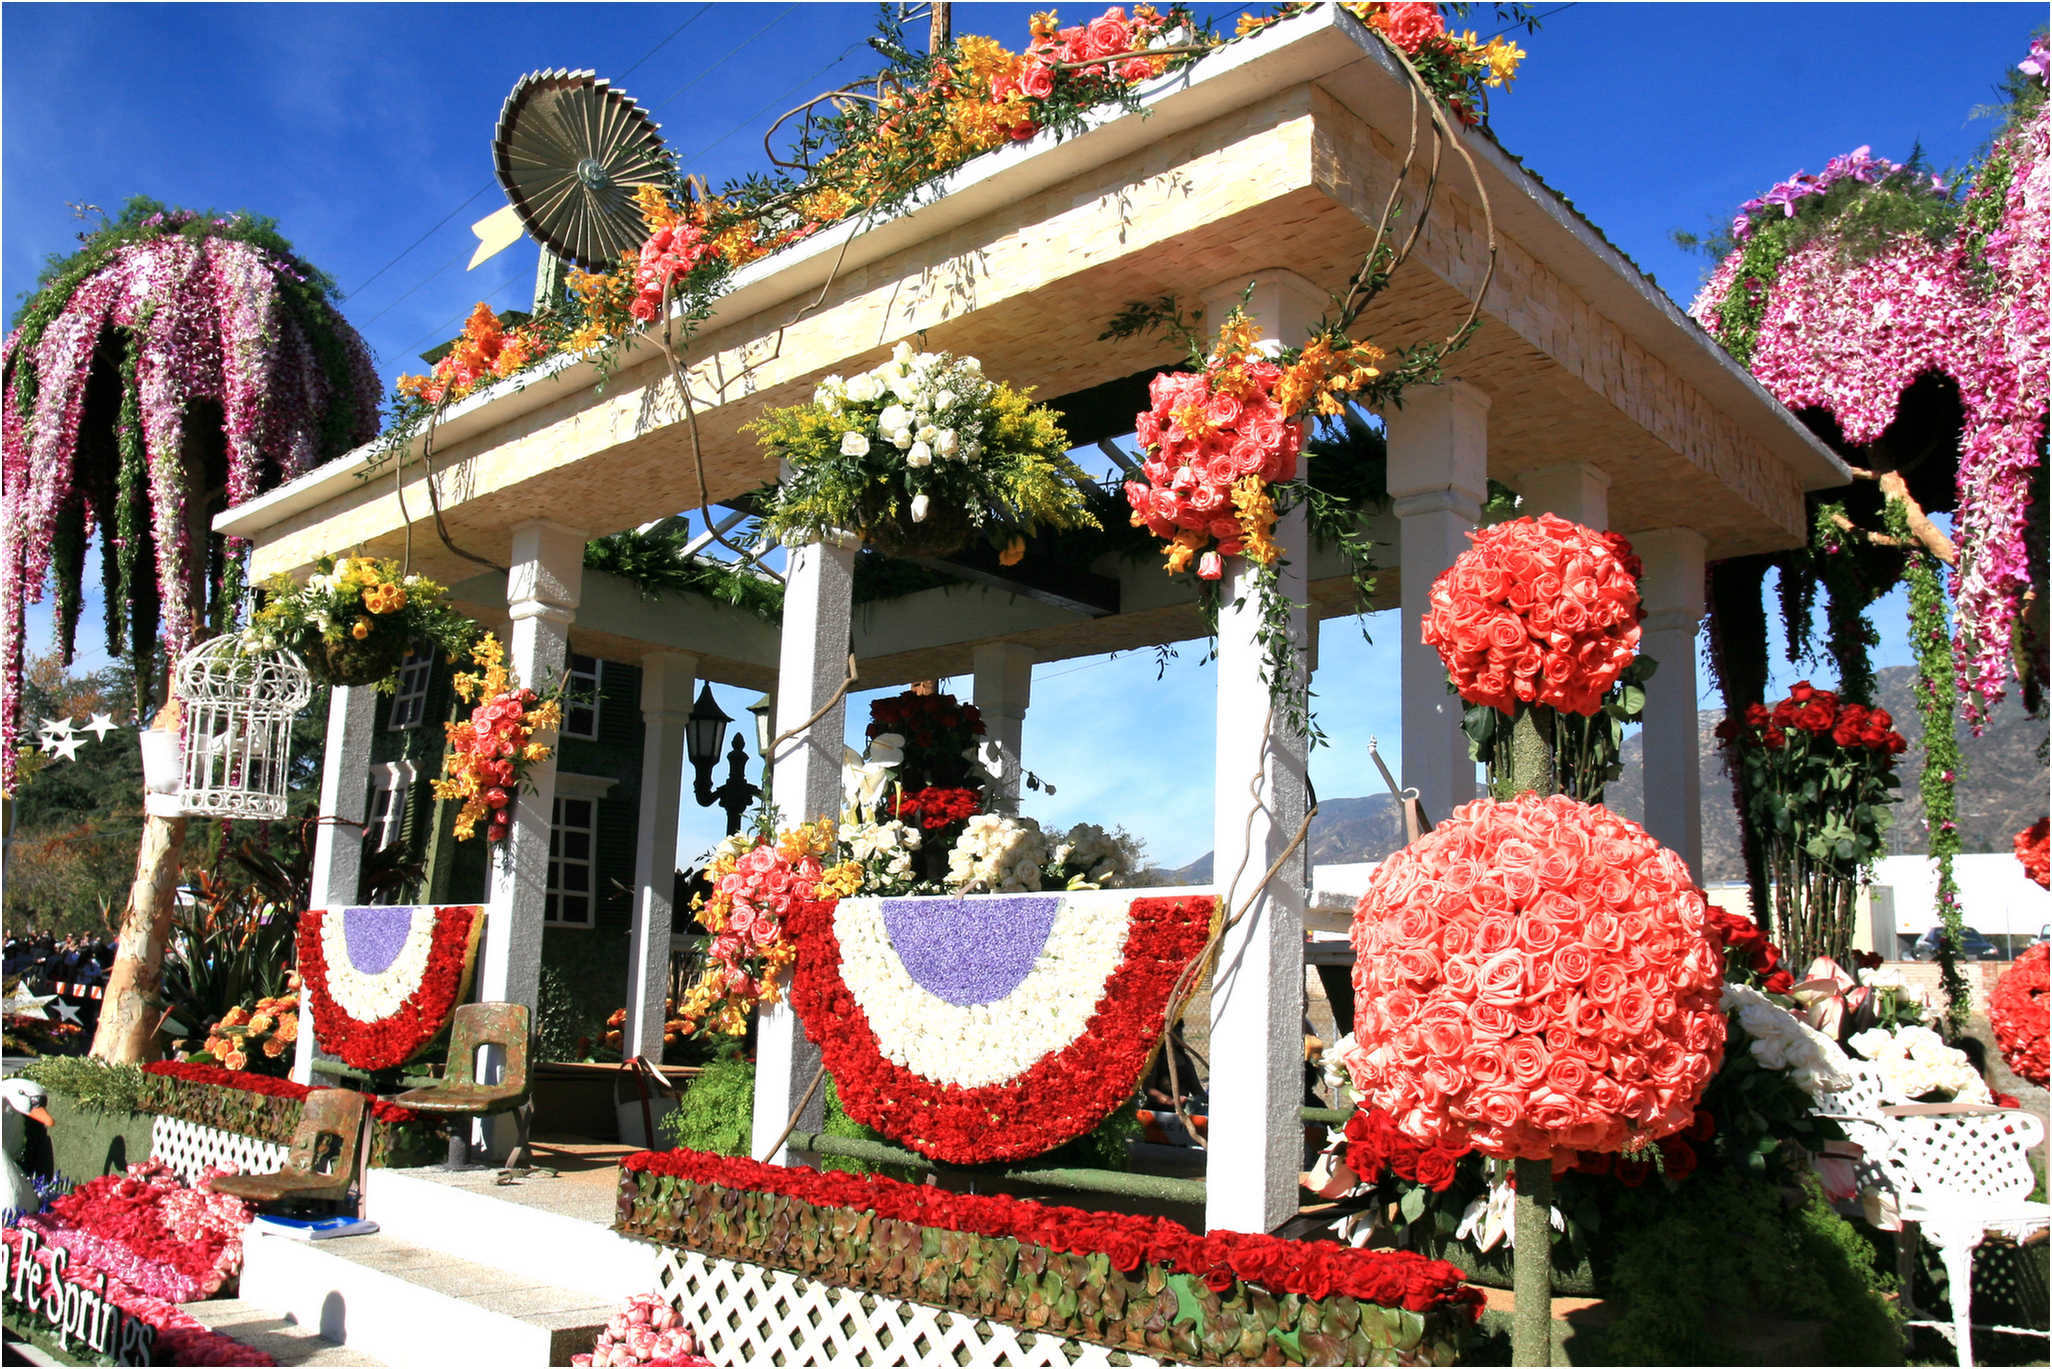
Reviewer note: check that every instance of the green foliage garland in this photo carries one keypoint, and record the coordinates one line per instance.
(93, 1085)
(1937, 702)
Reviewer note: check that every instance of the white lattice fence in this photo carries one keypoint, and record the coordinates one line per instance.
(747, 1314)
(190, 1148)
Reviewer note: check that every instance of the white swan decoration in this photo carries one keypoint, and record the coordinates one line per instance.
(19, 1098)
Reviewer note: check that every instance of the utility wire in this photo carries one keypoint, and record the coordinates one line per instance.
(488, 185)
(715, 65)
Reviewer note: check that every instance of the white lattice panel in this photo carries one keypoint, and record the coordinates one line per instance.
(190, 1148)
(746, 1314)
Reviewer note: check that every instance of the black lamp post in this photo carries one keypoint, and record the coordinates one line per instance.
(704, 730)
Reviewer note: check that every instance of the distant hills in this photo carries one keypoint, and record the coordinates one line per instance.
(2002, 790)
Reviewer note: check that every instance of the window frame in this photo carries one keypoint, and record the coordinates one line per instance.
(580, 686)
(409, 696)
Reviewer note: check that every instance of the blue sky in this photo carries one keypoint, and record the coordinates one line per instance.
(365, 131)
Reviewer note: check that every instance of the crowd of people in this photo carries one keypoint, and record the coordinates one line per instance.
(44, 961)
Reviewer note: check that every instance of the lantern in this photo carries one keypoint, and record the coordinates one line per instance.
(238, 705)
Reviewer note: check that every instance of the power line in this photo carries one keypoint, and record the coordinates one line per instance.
(719, 62)
(488, 185)
(774, 102)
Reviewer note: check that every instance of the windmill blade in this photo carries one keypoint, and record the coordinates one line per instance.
(570, 151)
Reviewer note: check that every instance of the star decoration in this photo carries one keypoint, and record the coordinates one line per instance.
(67, 747)
(21, 1003)
(101, 725)
(67, 1012)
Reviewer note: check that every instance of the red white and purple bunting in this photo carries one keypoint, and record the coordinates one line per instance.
(382, 982)
(991, 1027)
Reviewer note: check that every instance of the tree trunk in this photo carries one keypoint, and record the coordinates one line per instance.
(127, 1033)
(1532, 770)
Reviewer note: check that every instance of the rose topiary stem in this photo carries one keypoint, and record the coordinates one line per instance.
(1532, 763)
(1532, 1264)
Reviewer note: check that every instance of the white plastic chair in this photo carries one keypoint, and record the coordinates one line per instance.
(1961, 1174)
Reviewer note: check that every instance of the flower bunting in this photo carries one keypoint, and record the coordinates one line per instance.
(382, 982)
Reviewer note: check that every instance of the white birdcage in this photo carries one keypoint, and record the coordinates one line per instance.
(238, 705)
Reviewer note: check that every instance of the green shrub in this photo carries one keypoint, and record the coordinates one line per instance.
(716, 1114)
(91, 1084)
(1690, 1272)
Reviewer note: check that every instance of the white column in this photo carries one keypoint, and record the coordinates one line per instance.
(1438, 465)
(806, 783)
(1258, 803)
(542, 589)
(1004, 690)
(667, 678)
(338, 845)
(1672, 592)
(1573, 490)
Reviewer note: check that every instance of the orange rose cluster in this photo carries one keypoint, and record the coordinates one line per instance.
(1532, 979)
(1537, 611)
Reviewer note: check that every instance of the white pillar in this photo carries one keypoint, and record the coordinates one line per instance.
(1672, 592)
(338, 845)
(1258, 803)
(806, 782)
(1003, 691)
(1573, 490)
(542, 590)
(666, 684)
(1438, 476)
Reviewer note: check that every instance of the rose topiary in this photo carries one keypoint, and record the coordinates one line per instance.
(2018, 1013)
(1535, 978)
(1537, 611)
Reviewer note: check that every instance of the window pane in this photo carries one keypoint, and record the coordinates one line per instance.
(576, 845)
(576, 878)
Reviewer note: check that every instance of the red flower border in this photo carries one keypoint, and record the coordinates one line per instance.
(382, 1109)
(389, 1043)
(1061, 1097)
(181, 1337)
(1312, 1269)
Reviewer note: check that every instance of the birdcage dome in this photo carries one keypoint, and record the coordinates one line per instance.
(237, 706)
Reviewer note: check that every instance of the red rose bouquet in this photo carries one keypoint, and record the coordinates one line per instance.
(1532, 978)
(2017, 1011)
(491, 751)
(1538, 611)
(1819, 779)
(2034, 850)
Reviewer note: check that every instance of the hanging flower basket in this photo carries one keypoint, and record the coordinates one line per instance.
(920, 455)
(350, 662)
(356, 617)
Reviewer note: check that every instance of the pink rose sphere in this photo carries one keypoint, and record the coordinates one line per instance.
(1500, 1004)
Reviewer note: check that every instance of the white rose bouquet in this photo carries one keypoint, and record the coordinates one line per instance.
(997, 855)
(920, 455)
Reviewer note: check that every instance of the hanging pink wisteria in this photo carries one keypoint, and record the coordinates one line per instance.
(173, 355)
(1850, 332)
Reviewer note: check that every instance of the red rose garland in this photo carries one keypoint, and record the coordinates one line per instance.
(1537, 611)
(381, 1109)
(1061, 1097)
(2034, 848)
(1532, 978)
(2017, 1011)
(391, 1041)
(1314, 1269)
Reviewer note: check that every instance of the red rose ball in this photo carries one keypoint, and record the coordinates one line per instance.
(1535, 978)
(1537, 611)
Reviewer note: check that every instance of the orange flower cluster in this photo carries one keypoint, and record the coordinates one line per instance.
(491, 751)
(270, 1027)
(485, 351)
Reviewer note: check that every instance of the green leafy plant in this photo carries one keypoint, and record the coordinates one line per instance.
(91, 1084)
(717, 1112)
(1691, 1273)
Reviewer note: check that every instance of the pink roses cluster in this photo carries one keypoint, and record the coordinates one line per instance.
(1537, 611)
(1210, 450)
(667, 256)
(646, 1330)
(1534, 978)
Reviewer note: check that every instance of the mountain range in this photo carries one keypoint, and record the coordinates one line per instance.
(2002, 790)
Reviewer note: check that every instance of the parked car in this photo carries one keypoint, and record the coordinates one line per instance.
(1976, 946)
